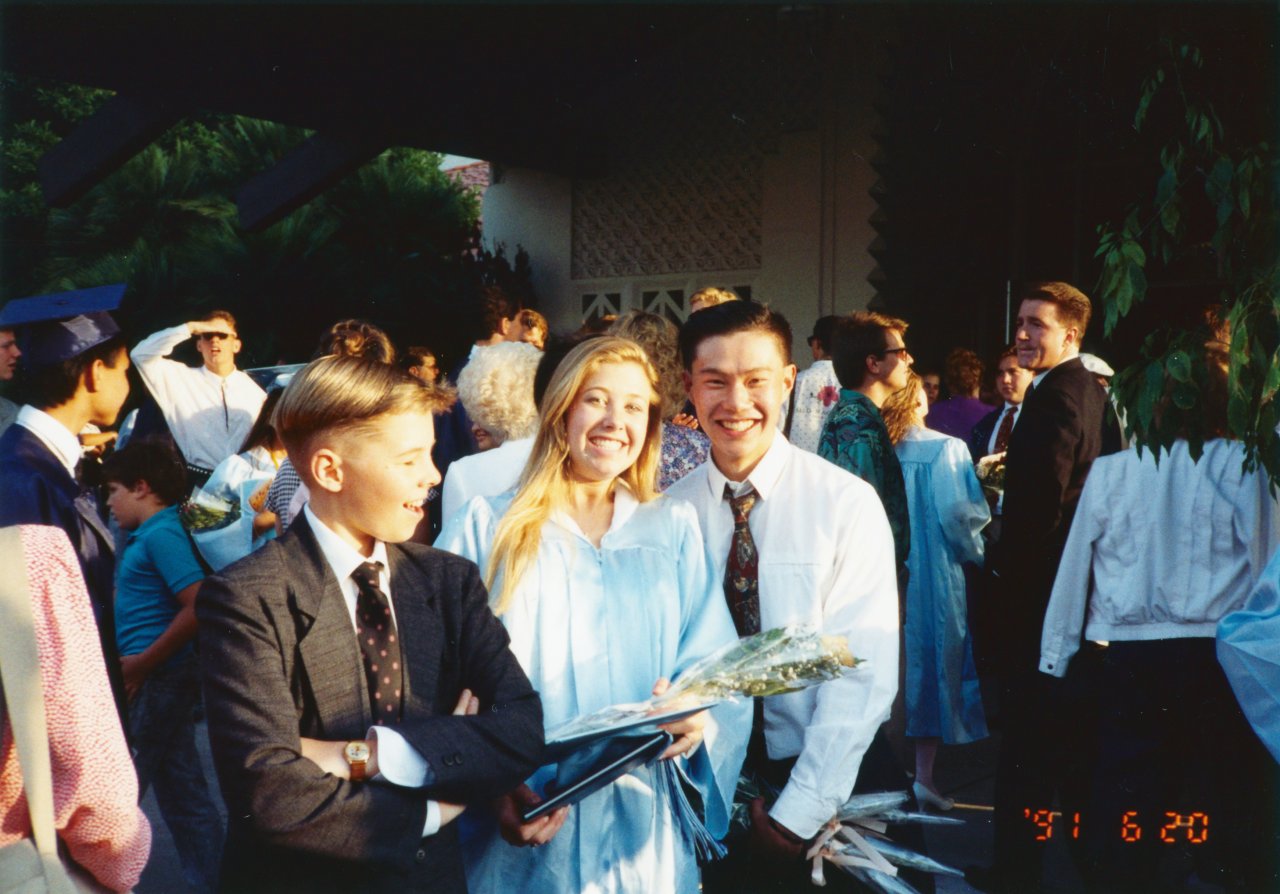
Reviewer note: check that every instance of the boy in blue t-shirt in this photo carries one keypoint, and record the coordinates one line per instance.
(157, 577)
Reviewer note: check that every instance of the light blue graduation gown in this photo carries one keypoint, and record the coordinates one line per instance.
(594, 627)
(1249, 652)
(947, 512)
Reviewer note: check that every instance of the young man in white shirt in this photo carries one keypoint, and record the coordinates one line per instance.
(824, 557)
(211, 408)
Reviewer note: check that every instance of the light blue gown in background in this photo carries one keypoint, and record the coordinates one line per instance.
(1249, 652)
(594, 627)
(948, 512)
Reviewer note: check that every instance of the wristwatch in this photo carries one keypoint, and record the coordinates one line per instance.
(357, 755)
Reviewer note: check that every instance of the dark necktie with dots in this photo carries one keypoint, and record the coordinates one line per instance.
(379, 645)
(742, 571)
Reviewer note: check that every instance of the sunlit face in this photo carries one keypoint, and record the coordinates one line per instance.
(376, 480)
(608, 421)
(9, 354)
(531, 335)
(932, 386)
(737, 384)
(893, 366)
(219, 348)
(427, 370)
(110, 389)
(129, 506)
(1012, 380)
(1043, 340)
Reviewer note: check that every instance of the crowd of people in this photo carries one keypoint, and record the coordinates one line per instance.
(381, 584)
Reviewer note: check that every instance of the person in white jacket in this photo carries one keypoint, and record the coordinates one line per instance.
(210, 408)
(1158, 553)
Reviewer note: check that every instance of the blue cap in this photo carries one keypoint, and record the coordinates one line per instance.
(58, 327)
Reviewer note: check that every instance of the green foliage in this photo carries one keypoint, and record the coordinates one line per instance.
(395, 242)
(1214, 195)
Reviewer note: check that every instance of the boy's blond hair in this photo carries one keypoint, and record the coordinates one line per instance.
(341, 396)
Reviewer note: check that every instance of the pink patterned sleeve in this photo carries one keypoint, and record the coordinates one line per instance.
(95, 789)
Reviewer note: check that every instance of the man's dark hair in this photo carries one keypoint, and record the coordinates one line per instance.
(858, 336)
(151, 461)
(822, 331)
(731, 317)
(55, 384)
(1072, 305)
(495, 307)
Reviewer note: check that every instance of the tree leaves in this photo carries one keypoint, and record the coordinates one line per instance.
(1164, 395)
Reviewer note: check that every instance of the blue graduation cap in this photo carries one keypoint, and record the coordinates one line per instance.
(58, 327)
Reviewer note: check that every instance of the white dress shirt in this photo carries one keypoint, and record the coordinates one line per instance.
(1159, 551)
(484, 474)
(8, 413)
(209, 415)
(826, 560)
(399, 763)
(53, 434)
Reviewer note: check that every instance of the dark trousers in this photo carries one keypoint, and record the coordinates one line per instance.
(746, 871)
(1043, 765)
(1179, 772)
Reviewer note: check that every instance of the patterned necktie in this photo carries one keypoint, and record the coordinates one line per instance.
(376, 634)
(1006, 428)
(741, 572)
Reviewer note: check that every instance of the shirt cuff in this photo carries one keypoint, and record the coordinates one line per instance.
(399, 763)
(432, 825)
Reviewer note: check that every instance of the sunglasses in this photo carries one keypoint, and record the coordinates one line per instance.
(210, 336)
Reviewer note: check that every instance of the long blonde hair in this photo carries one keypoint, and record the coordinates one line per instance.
(901, 409)
(546, 482)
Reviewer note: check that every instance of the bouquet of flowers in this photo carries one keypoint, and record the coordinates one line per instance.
(785, 659)
(991, 476)
(203, 511)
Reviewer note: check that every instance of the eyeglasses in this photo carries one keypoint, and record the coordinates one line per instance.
(887, 351)
(210, 336)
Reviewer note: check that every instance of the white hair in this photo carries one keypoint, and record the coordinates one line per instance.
(496, 388)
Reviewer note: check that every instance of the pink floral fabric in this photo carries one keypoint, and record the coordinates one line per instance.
(95, 790)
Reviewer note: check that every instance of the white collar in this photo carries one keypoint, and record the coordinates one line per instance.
(342, 557)
(64, 445)
(215, 378)
(763, 478)
(624, 506)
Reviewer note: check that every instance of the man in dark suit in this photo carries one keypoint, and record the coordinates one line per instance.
(360, 693)
(75, 366)
(992, 433)
(1050, 452)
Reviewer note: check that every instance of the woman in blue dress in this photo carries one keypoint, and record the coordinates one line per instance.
(606, 590)
(948, 512)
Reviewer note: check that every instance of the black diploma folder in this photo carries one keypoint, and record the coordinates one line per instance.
(596, 764)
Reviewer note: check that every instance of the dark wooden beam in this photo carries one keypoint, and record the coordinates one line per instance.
(100, 144)
(301, 176)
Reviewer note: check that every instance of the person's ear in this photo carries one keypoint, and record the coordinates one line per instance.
(788, 376)
(687, 378)
(326, 470)
(94, 375)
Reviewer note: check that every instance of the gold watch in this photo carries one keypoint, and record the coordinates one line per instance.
(357, 755)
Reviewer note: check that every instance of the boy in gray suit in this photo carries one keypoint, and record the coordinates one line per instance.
(359, 691)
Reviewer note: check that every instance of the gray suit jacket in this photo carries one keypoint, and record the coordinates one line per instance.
(280, 661)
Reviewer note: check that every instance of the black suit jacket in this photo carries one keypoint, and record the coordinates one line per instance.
(280, 661)
(980, 434)
(1058, 436)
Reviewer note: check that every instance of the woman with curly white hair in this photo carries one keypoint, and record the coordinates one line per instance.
(496, 387)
